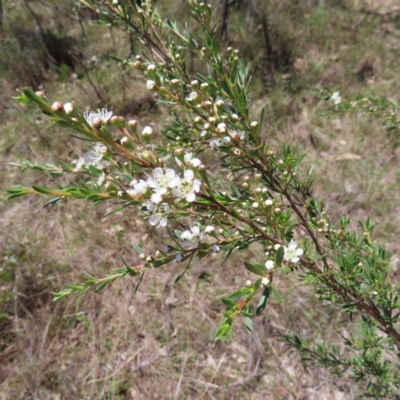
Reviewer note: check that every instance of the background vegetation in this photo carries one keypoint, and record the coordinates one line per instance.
(115, 345)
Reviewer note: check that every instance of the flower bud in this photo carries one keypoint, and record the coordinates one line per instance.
(57, 107)
(137, 65)
(219, 103)
(174, 82)
(124, 141)
(151, 67)
(277, 210)
(194, 83)
(96, 123)
(211, 120)
(178, 152)
(147, 131)
(143, 256)
(268, 202)
(69, 108)
(254, 124)
(204, 86)
(197, 120)
(151, 85)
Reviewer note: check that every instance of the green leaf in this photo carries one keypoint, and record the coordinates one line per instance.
(279, 257)
(253, 268)
(240, 293)
(40, 189)
(228, 302)
(137, 248)
(52, 202)
(263, 301)
(249, 323)
(277, 295)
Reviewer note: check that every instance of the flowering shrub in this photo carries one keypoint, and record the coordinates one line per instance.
(268, 199)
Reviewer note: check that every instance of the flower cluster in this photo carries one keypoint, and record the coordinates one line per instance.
(93, 157)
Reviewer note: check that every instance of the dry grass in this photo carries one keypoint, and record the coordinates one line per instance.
(159, 344)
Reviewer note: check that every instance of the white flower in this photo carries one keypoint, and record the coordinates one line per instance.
(336, 98)
(191, 238)
(192, 96)
(237, 135)
(101, 178)
(163, 180)
(150, 85)
(292, 253)
(214, 144)
(215, 248)
(140, 187)
(103, 114)
(93, 157)
(270, 264)
(179, 258)
(189, 159)
(265, 281)
(209, 229)
(166, 249)
(268, 202)
(187, 187)
(249, 283)
(159, 216)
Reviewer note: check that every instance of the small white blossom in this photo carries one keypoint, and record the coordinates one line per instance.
(163, 180)
(209, 229)
(191, 238)
(93, 157)
(160, 214)
(270, 264)
(292, 252)
(192, 96)
(215, 248)
(103, 114)
(336, 98)
(166, 249)
(249, 283)
(265, 281)
(101, 178)
(189, 159)
(147, 131)
(187, 187)
(140, 187)
(237, 135)
(214, 144)
(179, 258)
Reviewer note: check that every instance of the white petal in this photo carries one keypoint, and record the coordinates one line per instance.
(187, 157)
(154, 219)
(292, 245)
(156, 198)
(167, 208)
(294, 260)
(188, 174)
(150, 206)
(299, 252)
(196, 230)
(170, 173)
(175, 182)
(191, 197)
(157, 172)
(163, 222)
